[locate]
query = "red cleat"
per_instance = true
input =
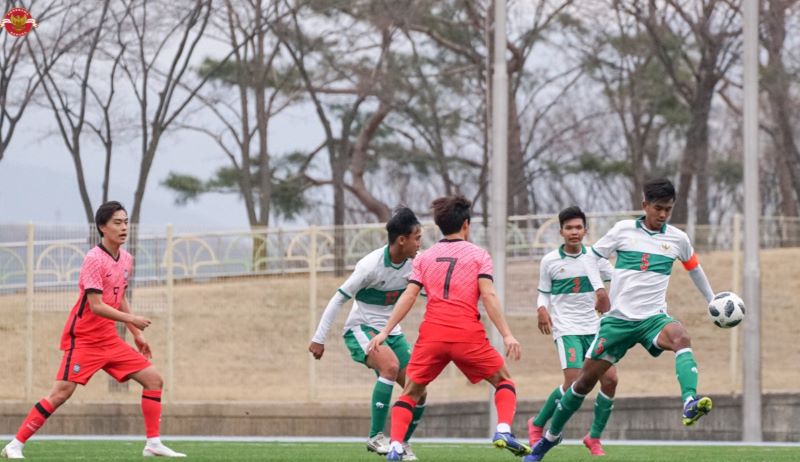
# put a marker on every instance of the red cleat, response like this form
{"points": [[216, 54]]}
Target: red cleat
{"points": [[594, 446], [534, 432]]}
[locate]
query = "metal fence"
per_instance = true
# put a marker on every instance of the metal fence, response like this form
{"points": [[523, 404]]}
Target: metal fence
{"points": [[199, 287]]}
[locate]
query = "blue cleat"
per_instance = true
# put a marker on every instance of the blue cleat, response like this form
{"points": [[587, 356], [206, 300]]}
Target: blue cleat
{"points": [[696, 408], [394, 455], [508, 441], [541, 448]]}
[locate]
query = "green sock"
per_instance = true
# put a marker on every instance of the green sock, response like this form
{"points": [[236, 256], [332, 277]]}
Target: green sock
{"points": [[686, 370], [567, 406], [418, 410], [602, 411], [381, 399], [549, 408]]}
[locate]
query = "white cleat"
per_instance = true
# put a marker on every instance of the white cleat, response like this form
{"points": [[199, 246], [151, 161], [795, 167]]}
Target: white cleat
{"points": [[378, 444], [11, 452], [408, 454], [159, 450]]}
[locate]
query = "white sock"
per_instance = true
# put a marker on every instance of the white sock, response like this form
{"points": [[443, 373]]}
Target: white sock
{"points": [[397, 446], [551, 437], [17, 443], [503, 428], [154, 441]]}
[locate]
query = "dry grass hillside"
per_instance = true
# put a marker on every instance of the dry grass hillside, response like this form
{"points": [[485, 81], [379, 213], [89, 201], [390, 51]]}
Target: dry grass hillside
{"points": [[246, 340]]}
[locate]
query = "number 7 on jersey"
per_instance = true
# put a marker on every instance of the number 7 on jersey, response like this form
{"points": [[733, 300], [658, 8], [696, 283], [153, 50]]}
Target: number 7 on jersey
{"points": [[451, 265]]}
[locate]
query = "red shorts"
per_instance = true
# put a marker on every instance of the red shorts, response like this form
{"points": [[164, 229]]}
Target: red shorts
{"points": [[119, 360], [477, 361]]}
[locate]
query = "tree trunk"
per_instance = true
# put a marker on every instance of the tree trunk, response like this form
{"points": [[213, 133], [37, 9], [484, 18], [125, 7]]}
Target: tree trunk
{"points": [[776, 84], [517, 181], [694, 163]]}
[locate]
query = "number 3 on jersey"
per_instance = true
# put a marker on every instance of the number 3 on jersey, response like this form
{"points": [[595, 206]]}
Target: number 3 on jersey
{"points": [[451, 261]]}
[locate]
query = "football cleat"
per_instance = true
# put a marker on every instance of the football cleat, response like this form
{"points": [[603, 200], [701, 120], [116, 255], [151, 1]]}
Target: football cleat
{"points": [[508, 441], [594, 445], [541, 448], [378, 444], [534, 432], [696, 408], [160, 450]]}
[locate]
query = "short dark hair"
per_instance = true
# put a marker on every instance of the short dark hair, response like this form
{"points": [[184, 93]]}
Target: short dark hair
{"points": [[570, 213], [402, 223], [449, 213], [105, 212], [658, 189]]}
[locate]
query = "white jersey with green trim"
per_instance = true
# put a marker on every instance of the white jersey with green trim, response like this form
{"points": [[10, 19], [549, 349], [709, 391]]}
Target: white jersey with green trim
{"points": [[643, 266], [571, 292], [374, 286]]}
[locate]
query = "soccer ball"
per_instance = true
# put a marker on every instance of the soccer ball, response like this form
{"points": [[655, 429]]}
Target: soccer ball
{"points": [[726, 309]]}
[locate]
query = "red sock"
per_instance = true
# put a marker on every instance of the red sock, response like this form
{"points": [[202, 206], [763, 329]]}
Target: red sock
{"points": [[402, 415], [35, 420], [505, 400], [151, 410]]}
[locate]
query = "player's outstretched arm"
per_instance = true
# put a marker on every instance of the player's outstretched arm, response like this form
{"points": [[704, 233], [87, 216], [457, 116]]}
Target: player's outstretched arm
{"points": [[701, 282], [400, 311], [317, 345], [492, 305]]}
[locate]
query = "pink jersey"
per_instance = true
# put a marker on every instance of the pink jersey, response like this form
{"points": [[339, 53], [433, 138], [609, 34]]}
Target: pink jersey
{"points": [[449, 273], [100, 273]]}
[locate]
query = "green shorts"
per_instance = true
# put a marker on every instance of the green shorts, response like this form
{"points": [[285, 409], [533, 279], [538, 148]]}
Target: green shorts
{"points": [[571, 350], [357, 338], [617, 336]]}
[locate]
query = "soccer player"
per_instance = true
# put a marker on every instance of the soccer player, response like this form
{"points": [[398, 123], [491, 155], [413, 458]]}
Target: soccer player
{"points": [[567, 310], [454, 274], [90, 341], [646, 249], [375, 285]]}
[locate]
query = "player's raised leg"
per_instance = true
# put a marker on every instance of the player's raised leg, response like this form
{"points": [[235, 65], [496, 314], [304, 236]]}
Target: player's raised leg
{"points": [[675, 337]]}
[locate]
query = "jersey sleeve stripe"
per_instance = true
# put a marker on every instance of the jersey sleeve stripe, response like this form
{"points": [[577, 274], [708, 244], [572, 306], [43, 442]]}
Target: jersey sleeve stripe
{"points": [[344, 293], [94, 291], [596, 253], [543, 291], [411, 281], [691, 263], [486, 276]]}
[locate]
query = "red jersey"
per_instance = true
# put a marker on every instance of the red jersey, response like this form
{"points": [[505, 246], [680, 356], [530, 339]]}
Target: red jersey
{"points": [[100, 273], [449, 273]]}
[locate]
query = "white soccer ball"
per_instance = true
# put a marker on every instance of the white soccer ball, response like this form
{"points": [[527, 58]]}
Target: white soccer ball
{"points": [[726, 309]]}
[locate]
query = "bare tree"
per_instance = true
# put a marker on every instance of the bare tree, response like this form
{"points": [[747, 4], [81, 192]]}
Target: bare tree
{"points": [[21, 70], [69, 105], [697, 42], [776, 81], [264, 83], [161, 41]]}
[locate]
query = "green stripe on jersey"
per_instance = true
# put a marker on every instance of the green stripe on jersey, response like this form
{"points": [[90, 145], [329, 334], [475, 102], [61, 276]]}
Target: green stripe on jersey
{"points": [[378, 297], [640, 261], [576, 285]]}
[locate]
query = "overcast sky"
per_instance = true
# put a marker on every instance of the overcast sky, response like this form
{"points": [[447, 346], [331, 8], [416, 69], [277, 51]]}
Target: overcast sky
{"points": [[37, 174]]}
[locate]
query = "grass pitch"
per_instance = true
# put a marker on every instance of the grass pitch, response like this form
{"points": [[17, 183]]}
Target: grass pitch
{"points": [[56, 450]]}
